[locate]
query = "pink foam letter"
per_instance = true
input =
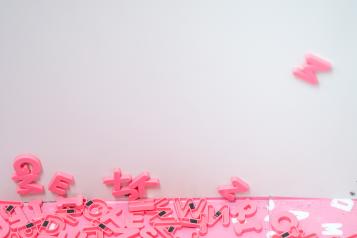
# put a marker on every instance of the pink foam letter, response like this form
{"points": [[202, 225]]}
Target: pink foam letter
{"points": [[27, 171], [60, 183]]}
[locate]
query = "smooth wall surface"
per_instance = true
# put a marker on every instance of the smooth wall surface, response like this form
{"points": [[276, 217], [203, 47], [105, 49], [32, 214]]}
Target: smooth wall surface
{"points": [[193, 91]]}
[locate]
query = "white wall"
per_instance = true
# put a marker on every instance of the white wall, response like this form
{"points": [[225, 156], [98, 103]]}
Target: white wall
{"points": [[193, 91]]}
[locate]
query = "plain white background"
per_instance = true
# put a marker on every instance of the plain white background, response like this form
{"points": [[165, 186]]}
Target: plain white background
{"points": [[192, 91]]}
